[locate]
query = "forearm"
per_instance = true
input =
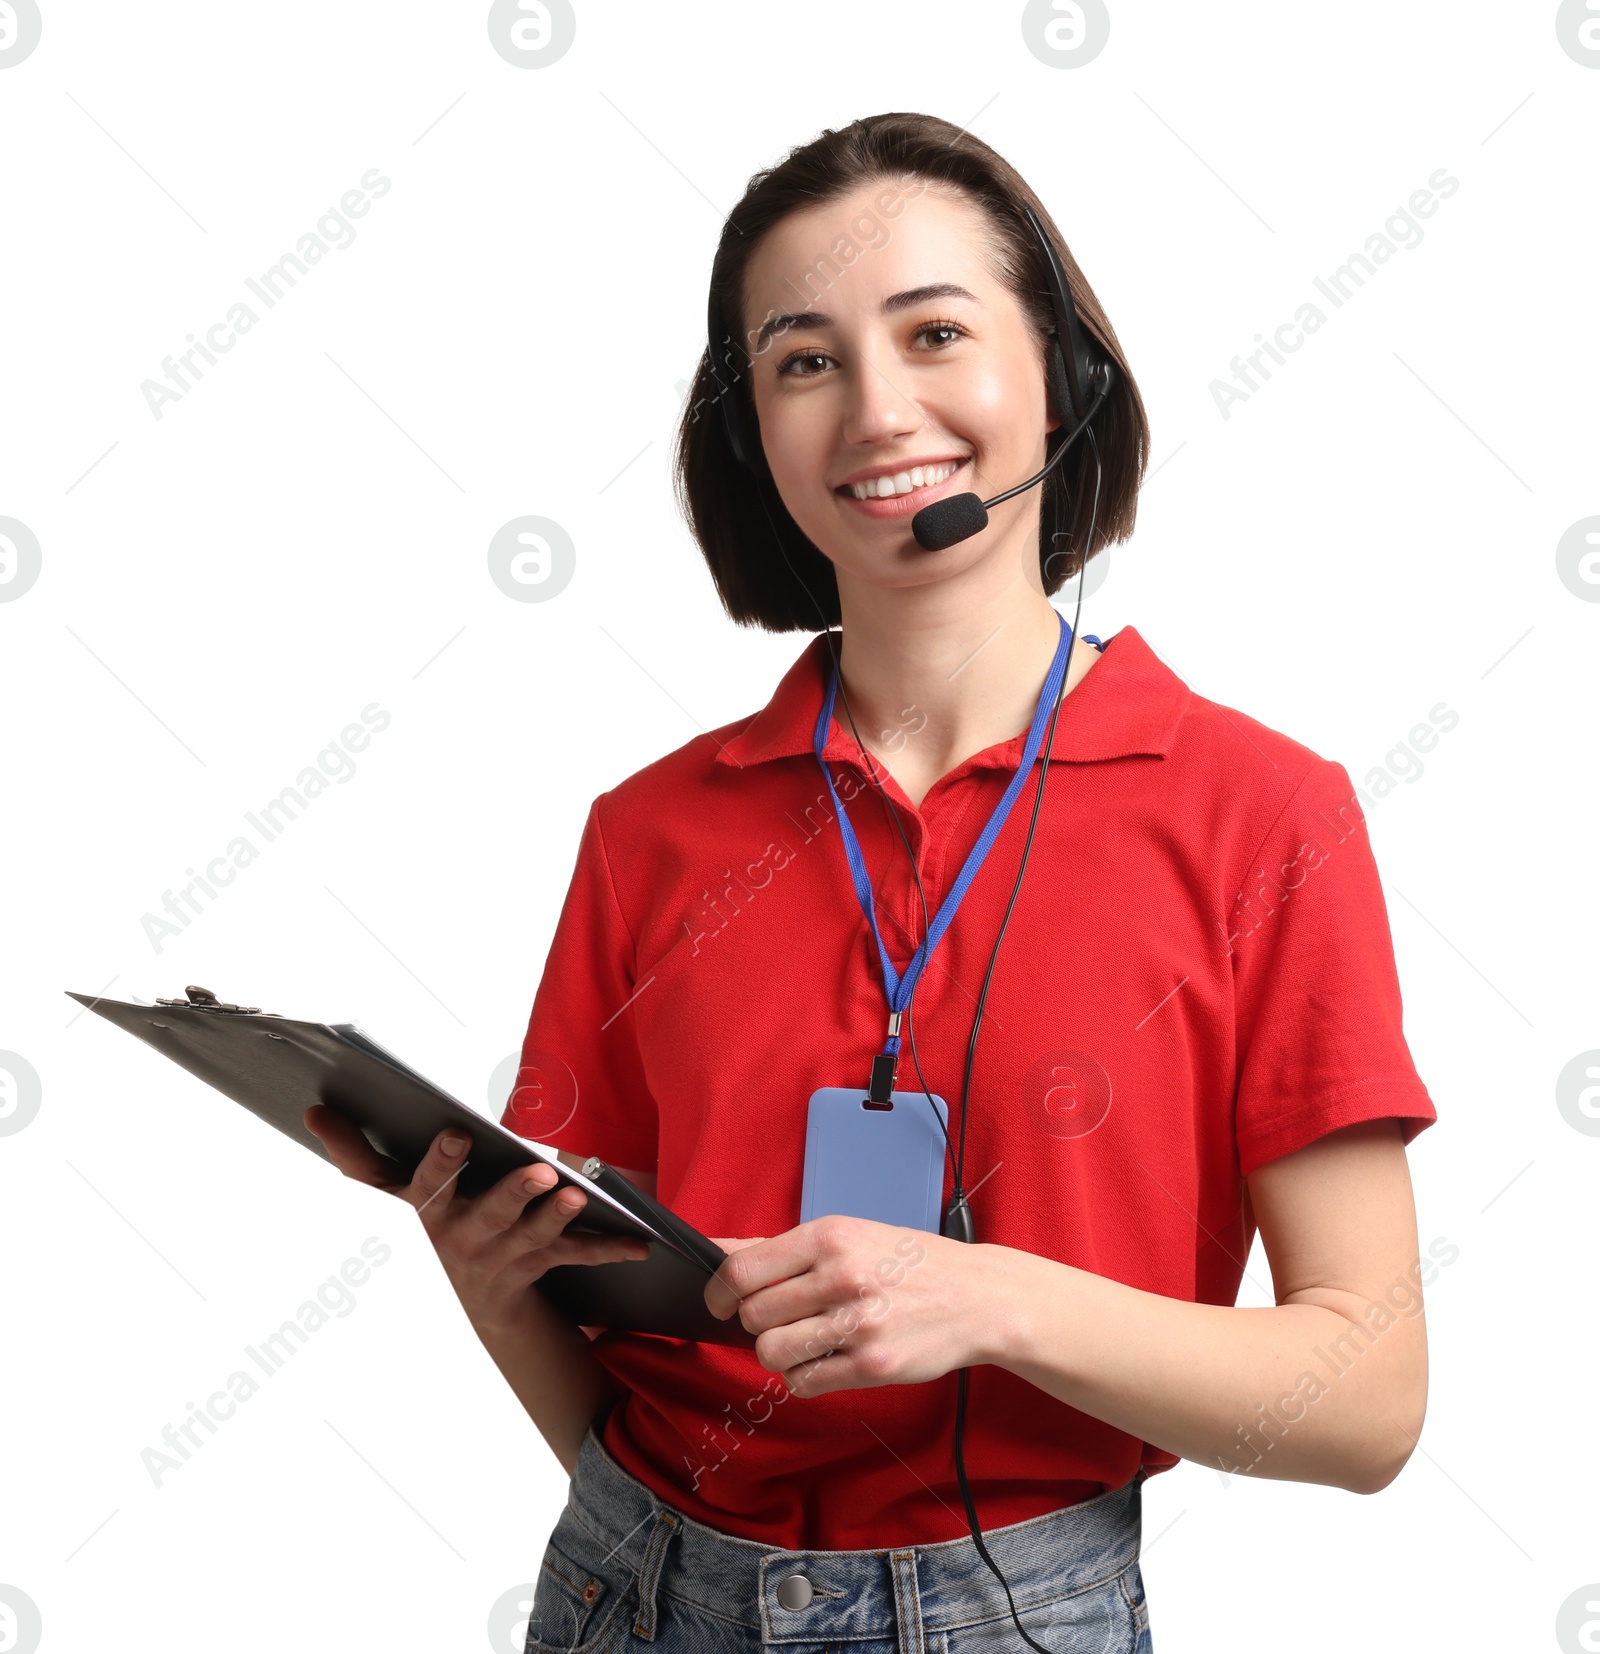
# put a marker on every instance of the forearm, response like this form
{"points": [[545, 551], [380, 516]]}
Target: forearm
{"points": [[1312, 1392], [552, 1371]]}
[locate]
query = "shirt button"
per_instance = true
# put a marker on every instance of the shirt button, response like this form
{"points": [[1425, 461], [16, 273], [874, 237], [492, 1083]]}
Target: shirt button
{"points": [[794, 1592]]}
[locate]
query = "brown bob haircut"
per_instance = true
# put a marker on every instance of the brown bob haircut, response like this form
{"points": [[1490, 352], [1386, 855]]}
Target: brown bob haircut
{"points": [[790, 586]]}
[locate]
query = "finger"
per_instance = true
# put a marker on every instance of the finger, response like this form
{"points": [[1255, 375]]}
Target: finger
{"points": [[348, 1148], [765, 1262], [834, 1371], [802, 1349], [526, 1251], [788, 1302], [433, 1184], [545, 1222], [513, 1239], [497, 1209], [721, 1299]]}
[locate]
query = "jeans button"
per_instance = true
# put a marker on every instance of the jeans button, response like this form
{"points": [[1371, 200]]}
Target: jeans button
{"points": [[794, 1591]]}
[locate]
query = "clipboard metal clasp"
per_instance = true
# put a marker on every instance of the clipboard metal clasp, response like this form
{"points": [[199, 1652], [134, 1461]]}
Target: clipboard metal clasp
{"points": [[204, 1000]]}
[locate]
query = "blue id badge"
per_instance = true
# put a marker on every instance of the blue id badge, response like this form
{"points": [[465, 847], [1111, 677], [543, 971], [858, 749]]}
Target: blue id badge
{"points": [[886, 1164]]}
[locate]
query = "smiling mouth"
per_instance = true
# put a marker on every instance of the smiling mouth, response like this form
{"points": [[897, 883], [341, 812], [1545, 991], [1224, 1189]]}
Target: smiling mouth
{"points": [[911, 489]]}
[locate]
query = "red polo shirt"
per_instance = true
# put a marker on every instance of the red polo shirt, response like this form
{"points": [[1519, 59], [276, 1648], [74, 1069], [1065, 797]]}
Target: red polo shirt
{"points": [[1198, 978]]}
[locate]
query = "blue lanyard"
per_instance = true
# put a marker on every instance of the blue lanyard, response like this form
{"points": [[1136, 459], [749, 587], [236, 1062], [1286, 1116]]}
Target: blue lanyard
{"points": [[900, 988]]}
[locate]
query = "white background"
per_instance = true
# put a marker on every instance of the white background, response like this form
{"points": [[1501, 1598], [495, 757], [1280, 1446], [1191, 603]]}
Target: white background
{"points": [[304, 533]]}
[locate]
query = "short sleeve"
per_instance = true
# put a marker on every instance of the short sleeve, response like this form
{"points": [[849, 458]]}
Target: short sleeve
{"points": [[1316, 995], [581, 1082]]}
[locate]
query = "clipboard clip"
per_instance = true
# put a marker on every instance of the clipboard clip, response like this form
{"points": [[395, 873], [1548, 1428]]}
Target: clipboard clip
{"points": [[203, 999]]}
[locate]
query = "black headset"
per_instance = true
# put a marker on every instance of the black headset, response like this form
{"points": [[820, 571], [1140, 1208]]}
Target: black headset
{"points": [[1074, 361]]}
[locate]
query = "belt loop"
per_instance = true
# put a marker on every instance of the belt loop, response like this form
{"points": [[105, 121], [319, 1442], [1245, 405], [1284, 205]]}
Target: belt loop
{"points": [[907, 1604], [655, 1551]]}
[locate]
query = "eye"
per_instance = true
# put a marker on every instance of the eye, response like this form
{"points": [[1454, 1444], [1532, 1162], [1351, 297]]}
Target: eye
{"points": [[789, 363], [813, 355], [942, 327]]}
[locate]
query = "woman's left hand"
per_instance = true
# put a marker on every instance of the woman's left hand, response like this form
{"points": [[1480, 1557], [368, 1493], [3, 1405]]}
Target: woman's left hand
{"points": [[843, 1303]]}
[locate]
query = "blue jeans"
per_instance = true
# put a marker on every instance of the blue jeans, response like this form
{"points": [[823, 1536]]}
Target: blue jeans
{"points": [[624, 1570]]}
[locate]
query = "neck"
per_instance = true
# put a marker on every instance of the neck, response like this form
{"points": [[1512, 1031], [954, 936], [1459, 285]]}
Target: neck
{"points": [[937, 673]]}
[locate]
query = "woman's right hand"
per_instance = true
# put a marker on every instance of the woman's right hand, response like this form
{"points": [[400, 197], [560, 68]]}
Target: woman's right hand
{"points": [[492, 1249]]}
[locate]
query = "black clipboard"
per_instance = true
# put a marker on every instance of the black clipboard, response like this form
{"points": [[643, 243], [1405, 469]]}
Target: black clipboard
{"points": [[277, 1067]]}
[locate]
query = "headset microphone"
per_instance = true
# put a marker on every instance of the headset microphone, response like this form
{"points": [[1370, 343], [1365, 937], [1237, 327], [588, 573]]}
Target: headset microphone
{"points": [[946, 521]]}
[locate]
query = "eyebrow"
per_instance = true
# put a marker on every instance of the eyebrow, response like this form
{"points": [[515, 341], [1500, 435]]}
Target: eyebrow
{"points": [[894, 302]]}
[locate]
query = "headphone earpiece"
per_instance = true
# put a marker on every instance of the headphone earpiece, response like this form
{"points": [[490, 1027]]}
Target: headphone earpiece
{"points": [[1060, 395], [1093, 372], [745, 443], [1076, 361]]}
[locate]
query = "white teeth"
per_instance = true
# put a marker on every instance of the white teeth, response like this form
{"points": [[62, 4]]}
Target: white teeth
{"points": [[902, 482]]}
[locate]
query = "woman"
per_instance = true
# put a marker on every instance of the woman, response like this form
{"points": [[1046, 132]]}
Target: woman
{"points": [[1192, 1030]]}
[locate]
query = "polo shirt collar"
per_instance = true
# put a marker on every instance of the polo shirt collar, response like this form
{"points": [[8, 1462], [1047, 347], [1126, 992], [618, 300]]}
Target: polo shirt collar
{"points": [[1130, 703]]}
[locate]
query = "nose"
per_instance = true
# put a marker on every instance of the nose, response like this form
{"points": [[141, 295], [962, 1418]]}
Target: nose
{"points": [[879, 410]]}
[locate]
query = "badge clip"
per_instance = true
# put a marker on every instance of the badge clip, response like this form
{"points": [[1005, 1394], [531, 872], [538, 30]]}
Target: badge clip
{"points": [[881, 1087]]}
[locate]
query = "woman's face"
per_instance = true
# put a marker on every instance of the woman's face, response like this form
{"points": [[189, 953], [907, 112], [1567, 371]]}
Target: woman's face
{"points": [[860, 374]]}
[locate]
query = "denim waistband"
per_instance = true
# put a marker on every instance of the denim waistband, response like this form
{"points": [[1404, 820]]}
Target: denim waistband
{"points": [[919, 1589]]}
